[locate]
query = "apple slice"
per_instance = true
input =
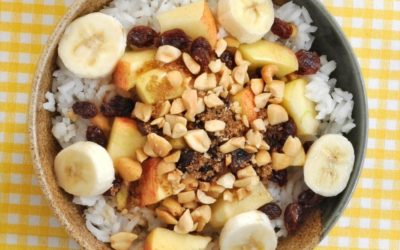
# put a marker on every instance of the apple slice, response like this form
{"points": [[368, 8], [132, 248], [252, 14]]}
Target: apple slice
{"points": [[222, 210], [299, 159], [164, 239], [152, 86], [195, 19], [125, 139], [152, 187], [264, 52], [245, 98], [301, 109], [128, 67]]}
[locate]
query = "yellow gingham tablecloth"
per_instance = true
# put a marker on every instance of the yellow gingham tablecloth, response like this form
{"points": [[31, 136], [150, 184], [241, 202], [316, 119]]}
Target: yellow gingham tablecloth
{"points": [[372, 219]]}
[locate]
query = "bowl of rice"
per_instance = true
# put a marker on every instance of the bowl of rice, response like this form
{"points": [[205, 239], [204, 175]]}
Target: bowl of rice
{"points": [[198, 124]]}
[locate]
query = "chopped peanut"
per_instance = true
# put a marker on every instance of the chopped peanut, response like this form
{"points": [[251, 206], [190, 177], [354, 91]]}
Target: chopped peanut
{"points": [[172, 206], [198, 140], [156, 146], [167, 54], [191, 64], [205, 199], [292, 146], [173, 158], [122, 240], [142, 111], [220, 47], [166, 217], [214, 125], [186, 197], [276, 114], [262, 158], [185, 223]]}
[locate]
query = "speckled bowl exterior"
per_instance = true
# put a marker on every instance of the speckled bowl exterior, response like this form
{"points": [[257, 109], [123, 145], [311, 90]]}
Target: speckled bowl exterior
{"points": [[329, 40]]}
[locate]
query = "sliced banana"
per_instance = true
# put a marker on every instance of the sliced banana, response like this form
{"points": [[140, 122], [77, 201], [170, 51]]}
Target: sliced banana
{"points": [[84, 169], [247, 20], [250, 230], [328, 165], [92, 45]]}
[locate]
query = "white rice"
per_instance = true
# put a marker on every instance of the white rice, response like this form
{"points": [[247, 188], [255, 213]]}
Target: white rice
{"points": [[334, 107]]}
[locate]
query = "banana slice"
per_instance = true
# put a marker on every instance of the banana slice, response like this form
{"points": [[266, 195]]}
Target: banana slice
{"points": [[329, 163], [247, 20], [84, 169], [92, 45], [250, 230]]}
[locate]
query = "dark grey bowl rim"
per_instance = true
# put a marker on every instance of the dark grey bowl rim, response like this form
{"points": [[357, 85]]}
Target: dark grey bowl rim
{"points": [[339, 209]]}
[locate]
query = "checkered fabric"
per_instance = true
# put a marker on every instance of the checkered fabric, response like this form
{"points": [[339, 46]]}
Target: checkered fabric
{"points": [[372, 219]]}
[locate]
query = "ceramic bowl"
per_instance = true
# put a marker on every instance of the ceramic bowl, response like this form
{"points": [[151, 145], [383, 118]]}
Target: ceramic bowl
{"points": [[330, 40]]}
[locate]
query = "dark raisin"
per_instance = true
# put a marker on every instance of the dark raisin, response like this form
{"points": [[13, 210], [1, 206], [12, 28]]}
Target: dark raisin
{"points": [[86, 110], [272, 210], [293, 217], [309, 62], [206, 168], [282, 29], [307, 145], [95, 134], [117, 183], [118, 106], [276, 135], [309, 199], [239, 158], [202, 57], [185, 159], [279, 177], [228, 57], [176, 38], [145, 128], [202, 43], [141, 37]]}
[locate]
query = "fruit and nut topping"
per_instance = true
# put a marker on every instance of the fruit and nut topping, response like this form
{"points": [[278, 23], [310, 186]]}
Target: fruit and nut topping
{"points": [[199, 125]]}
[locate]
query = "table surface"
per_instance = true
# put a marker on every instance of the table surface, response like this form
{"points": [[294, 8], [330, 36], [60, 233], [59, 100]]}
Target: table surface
{"points": [[372, 218]]}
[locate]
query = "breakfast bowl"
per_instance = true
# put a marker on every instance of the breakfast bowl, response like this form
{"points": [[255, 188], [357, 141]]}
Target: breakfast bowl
{"points": [[329, 41]]}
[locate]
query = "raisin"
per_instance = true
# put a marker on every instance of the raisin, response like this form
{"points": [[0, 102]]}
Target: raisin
{"points": [[272, 210], [202, 57], [279, 177], [309, 199], [228, 57], [86, 110], [307, 145], [309, 62], [141, 37], [145, 128], [282, 29], [202, 43], [176, 38], [276, 135], [118, 106], [185, 159], [239, 158], [293, 217], [95, 134]]}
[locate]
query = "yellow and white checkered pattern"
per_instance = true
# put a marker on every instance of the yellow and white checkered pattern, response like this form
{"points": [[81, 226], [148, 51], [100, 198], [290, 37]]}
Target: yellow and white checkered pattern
{"points": [[372, 219]]}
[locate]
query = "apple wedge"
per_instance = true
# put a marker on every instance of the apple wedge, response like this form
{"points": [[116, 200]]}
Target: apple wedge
{"points": [[195, 19], [245, 98], [128, 67], [301, 109], [263, 52], [222, 210], [299, 159], [152, 187], [164, 239], [152, 86], [125, 139]]}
